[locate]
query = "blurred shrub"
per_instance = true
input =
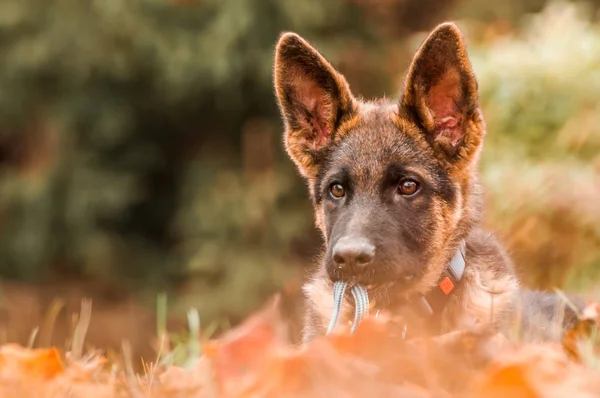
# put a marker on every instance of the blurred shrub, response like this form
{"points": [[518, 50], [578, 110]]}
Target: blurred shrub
{"points": [[540, 89], [240, 238], [103, 104]]}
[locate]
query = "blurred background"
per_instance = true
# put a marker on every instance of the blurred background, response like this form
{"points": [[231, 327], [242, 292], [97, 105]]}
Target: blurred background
{"points": [[141, 149]]}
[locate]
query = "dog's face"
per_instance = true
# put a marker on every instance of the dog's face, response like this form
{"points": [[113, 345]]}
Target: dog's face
{"points": [[393, 183]]}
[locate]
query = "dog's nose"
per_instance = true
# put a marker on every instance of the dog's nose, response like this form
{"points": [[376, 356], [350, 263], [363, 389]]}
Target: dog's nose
{"points": [[352, 254]]}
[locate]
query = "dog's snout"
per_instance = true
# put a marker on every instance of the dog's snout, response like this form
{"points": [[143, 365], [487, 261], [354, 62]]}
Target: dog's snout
{"points": [[352, 254]]}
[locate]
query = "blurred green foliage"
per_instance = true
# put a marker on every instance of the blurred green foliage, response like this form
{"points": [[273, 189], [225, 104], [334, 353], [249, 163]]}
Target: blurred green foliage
{"points": [[140, 143], [116, 119], [540, 89]]}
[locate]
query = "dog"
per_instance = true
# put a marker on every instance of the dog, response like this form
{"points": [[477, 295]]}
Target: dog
{"points": [[396, 193]]}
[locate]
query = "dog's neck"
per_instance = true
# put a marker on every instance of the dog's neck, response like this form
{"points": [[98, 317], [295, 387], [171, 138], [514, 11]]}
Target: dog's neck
{"points": [[451, 277], [431, 305]]}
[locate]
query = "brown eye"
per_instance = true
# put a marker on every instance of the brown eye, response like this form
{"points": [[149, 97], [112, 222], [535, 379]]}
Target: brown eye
{"points": [[337, 191], [408, 187]]}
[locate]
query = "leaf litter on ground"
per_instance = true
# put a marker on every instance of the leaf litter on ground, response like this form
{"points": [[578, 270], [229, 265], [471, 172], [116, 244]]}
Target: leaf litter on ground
{"points": [[255, 360]]}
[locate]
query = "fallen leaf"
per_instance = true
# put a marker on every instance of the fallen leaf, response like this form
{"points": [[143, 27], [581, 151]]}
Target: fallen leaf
{"points": [[18, 362], [536, 370]]}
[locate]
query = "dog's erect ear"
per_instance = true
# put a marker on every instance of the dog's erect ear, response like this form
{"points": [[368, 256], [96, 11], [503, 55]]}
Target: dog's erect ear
{"points": [[440, 92], [313, 98]]}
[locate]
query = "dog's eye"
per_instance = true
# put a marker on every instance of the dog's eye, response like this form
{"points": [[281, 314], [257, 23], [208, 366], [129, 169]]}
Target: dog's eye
{"points": [[408, 187], [337, 191]]}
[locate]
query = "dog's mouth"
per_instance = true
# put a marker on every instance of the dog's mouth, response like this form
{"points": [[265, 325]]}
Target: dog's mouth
{"points": [[387, 290], [365, 299]]}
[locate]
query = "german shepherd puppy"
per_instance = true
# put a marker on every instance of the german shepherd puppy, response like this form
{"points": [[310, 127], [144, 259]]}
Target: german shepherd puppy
{"points": [[395, 187]]}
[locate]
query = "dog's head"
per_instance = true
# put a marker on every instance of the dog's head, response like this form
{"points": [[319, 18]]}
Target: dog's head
{"points": [[394, 184]]}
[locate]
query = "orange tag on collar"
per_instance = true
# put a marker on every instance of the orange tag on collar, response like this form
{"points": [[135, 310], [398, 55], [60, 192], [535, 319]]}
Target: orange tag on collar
{"points": [[446, 285]]}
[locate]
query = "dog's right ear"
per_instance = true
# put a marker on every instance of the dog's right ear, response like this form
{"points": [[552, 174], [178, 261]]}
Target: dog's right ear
{"points": [[313, 98]]}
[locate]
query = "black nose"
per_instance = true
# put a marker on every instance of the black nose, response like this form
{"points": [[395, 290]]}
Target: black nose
{"points": [[352, 254]]}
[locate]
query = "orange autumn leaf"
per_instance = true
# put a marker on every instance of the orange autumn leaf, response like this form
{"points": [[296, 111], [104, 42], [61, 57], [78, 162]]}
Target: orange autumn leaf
{"points": [[254, 361], [371, 330], [508, 381], [243, 352], [536, 371], [16, 361]]}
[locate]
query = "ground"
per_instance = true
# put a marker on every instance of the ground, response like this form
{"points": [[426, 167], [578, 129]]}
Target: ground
{"points": [[254, 360]]}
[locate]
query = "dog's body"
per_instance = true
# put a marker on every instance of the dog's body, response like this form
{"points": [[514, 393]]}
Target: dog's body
{"points": [[395, 186]]}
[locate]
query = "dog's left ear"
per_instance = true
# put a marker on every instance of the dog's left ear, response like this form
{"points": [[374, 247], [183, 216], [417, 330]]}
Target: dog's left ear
{"points": [[440, 94]]}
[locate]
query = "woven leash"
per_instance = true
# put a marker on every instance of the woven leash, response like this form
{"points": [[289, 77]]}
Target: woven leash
{"points": [[361, 304]]}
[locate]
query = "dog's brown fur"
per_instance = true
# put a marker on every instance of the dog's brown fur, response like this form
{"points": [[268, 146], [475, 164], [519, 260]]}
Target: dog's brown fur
{"points": [[434, 135]]}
